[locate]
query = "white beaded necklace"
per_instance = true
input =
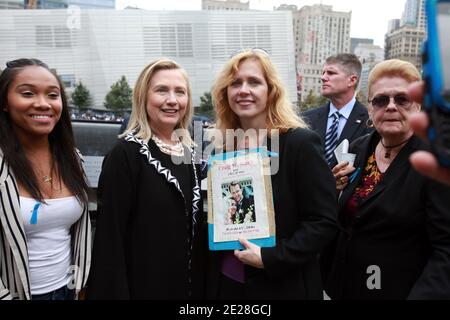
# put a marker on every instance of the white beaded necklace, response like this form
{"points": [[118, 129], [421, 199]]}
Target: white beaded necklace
{"points": [[176, 149]]}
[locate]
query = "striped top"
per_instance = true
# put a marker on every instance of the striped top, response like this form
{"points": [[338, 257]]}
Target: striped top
{"points": [[14, 267]]}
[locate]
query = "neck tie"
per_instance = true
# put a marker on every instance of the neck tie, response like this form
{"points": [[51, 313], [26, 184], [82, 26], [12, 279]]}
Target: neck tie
{"points": [[331, 138]]}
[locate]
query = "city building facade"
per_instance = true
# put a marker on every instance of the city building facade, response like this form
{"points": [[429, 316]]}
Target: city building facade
{"points": [[414, 14], [11, 4], [354, 42], [319, 32], [57, 4], [369, 55], [230, 5], [405, 42], [93, 4], [97, 47]]}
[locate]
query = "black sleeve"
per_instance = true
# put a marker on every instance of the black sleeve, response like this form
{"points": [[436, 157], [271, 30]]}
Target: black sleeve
{"points": [[116, 190], [434, 282], [316, 190]]}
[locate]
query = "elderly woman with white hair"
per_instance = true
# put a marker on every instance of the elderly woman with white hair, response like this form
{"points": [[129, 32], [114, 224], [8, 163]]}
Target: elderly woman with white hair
{"points": [[394, 241]]}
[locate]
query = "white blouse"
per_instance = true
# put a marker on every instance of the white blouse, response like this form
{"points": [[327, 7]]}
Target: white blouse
{"points": [[47, 228]]}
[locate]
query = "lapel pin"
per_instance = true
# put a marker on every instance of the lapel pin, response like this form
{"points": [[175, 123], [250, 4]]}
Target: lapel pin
{"points": [[358, 121]]}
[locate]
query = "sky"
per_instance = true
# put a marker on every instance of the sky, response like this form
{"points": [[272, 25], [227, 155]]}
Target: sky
{"points": [[369, 18]]}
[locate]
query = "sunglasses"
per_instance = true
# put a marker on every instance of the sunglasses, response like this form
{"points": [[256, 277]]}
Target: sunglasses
{"points": [[400, 100]]}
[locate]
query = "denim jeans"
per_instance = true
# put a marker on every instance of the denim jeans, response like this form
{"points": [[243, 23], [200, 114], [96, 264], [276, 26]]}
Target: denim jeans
{"points": [[62, 293]]}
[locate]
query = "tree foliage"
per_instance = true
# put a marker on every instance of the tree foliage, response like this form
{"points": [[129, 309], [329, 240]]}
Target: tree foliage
{"points": [[312, 101], [81, 97], [206, 105], [119, 97], [361, 97]]}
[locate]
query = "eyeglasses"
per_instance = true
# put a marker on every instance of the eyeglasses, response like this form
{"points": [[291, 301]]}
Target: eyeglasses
{"points": [[253, 50], [400, 100]]}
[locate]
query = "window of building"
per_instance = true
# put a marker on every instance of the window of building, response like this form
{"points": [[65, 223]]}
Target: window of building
{"points": [[68, 80], [168, 41], [62, 37], [184, 35], [233, 36], [248, 36], [44, 36], [264, 37]]}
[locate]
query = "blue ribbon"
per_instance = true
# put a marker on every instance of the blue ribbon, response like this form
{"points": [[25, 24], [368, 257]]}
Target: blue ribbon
{"points": [[355, 175], [34, 216]]}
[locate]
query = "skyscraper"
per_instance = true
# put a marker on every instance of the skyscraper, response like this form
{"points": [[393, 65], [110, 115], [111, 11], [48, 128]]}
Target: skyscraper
{"points": [[405, 42], [410, 13], [354, 42], [414, 14], [319, 32]]}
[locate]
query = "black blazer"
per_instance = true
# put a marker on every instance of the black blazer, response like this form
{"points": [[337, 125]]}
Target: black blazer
{"points": [[244, 207], [354, 128], [403, 228], [305, 216], [144, 245]]}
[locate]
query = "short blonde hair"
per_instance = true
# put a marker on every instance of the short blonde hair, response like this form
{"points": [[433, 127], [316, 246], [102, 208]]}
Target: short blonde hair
{"points": [[280, 115], [139, 123], [393, 68]]}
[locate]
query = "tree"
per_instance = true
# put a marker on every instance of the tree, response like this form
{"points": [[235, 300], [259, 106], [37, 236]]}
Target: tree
{"points": [[206, 105], [312, 101], [119, 97], [361, 97], [81, 97]]}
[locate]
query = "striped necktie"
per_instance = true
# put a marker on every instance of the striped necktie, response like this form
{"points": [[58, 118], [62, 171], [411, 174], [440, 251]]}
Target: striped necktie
{"points": [[331, 138]]}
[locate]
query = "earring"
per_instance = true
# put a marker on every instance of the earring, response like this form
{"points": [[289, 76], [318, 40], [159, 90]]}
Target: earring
{"points": [[369, 123]]}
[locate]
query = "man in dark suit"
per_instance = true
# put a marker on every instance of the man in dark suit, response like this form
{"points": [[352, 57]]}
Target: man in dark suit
{"points": [[340, 78], [245, 206]]}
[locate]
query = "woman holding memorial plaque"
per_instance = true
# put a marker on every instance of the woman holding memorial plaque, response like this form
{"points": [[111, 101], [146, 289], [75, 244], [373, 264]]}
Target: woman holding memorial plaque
{"points": [[249, 95]]}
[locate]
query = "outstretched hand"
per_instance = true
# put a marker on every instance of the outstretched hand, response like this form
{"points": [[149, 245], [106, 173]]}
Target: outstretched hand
{"points": [[423, 161]]}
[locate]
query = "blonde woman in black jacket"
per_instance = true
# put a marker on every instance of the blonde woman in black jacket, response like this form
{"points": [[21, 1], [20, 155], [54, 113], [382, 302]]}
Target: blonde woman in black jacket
{"points": [[248, 94], [149, 241]]}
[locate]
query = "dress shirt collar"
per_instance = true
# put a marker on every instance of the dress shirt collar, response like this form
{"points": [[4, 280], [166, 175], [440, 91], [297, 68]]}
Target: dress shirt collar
{"points": [[345, 110]]}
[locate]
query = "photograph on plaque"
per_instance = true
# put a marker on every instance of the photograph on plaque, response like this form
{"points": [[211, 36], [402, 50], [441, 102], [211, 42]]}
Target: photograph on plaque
{"points": [[240, 203]]}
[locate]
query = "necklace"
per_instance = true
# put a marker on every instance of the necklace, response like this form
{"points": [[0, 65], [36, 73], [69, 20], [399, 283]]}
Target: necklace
{"points": [[47, 178], [176, 149], [388, 149], [44, 177]]}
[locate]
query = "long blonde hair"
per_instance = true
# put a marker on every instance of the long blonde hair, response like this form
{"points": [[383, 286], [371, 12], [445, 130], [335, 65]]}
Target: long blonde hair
{"points": [[280, 112], [139, 123]]}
